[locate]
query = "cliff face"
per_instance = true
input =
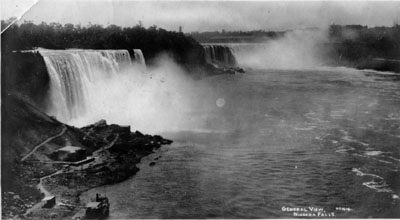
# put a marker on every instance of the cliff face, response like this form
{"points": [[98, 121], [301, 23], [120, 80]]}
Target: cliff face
{"points": [[25, 74], [29, 137], [23, 126]]}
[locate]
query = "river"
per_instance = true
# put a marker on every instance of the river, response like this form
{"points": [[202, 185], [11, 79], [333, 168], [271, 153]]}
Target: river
{"points": [[273, 143]]}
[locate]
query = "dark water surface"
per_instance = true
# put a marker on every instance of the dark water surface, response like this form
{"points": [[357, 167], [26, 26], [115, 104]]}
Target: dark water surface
{"points": [[313, 138]]}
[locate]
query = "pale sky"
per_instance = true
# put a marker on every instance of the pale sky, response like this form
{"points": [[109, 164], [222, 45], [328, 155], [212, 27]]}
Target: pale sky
{"points": [[208, 15]]}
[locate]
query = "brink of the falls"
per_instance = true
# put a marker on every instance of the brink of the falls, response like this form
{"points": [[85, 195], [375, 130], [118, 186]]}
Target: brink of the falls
{"points": [[73, 71]]}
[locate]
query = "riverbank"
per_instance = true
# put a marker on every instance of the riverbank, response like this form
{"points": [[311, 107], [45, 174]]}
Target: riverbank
{"points": [[114, 162], [380, 64], [30, 172], [377, 64]]}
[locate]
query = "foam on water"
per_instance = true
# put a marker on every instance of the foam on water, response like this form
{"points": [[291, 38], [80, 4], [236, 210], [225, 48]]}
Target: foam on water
{"points": [[373, 153], [344, 149], [314, 117], [380, 186], [393, 158], [378, 183], [305, 128], [371, 158], [348, 138], [338, 114], [360, 173], [393, 116]]}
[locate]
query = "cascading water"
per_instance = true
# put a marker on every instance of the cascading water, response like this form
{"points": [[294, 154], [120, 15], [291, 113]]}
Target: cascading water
{"points": [[251, 54], [139, 58], [72, 72], [299, 49], [220, 55]]}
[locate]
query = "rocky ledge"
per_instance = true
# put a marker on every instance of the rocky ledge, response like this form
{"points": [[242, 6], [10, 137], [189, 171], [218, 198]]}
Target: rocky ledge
{"points": [[112, 152], [119, 150]]}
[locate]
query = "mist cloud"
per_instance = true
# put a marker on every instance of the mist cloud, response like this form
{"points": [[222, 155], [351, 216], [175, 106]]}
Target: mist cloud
{"points": [[295, 50], [155, 100]]}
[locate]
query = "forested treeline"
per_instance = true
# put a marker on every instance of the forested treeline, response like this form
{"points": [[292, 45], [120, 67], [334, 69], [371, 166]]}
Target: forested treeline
{"points": [[352, 45], [365, 47], [356, 42], [255, 36], [151, 41]]}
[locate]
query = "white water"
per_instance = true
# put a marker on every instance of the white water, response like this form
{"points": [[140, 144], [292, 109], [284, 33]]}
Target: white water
{"points": [[89, 85], [219, 54], [299, 49], [139, 58], [73, 72]]}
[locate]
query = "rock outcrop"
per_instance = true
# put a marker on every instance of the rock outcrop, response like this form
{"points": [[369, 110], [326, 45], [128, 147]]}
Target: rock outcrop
{"points": [[113, 149]]}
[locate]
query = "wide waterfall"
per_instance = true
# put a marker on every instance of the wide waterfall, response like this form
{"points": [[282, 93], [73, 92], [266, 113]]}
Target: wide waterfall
{"points": [[293, 51], [219, 55], [73, 71]]}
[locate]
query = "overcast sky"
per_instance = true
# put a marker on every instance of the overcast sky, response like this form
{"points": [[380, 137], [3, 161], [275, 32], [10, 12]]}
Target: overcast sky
{"points": [[207, 15]]}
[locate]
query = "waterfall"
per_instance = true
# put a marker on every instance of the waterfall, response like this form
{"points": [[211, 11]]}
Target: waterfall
{"points": [[219, 55], [255, 55], [138, 57], [72, 72]]}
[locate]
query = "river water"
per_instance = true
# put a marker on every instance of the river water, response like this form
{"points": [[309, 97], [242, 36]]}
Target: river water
{"points": [[272, 141]]}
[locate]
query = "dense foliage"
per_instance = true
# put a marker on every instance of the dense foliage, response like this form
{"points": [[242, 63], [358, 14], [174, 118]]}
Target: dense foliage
{"points": [[235, 36], [353, 45], [355, 42], [151, 41]]}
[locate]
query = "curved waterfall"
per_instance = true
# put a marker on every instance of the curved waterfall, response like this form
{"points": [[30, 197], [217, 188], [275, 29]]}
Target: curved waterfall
{"points": [[219, 55], [72, 72], [138, 57]]}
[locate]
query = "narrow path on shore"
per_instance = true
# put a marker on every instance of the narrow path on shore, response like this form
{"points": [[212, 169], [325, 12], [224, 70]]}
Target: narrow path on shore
{"points": [[42, 190], [40, 185], [45, 142], [108, 146]]}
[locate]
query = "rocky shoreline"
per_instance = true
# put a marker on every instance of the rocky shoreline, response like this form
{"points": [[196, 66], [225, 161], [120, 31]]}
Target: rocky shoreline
{"points": [[116, 151], [28, 159]]}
